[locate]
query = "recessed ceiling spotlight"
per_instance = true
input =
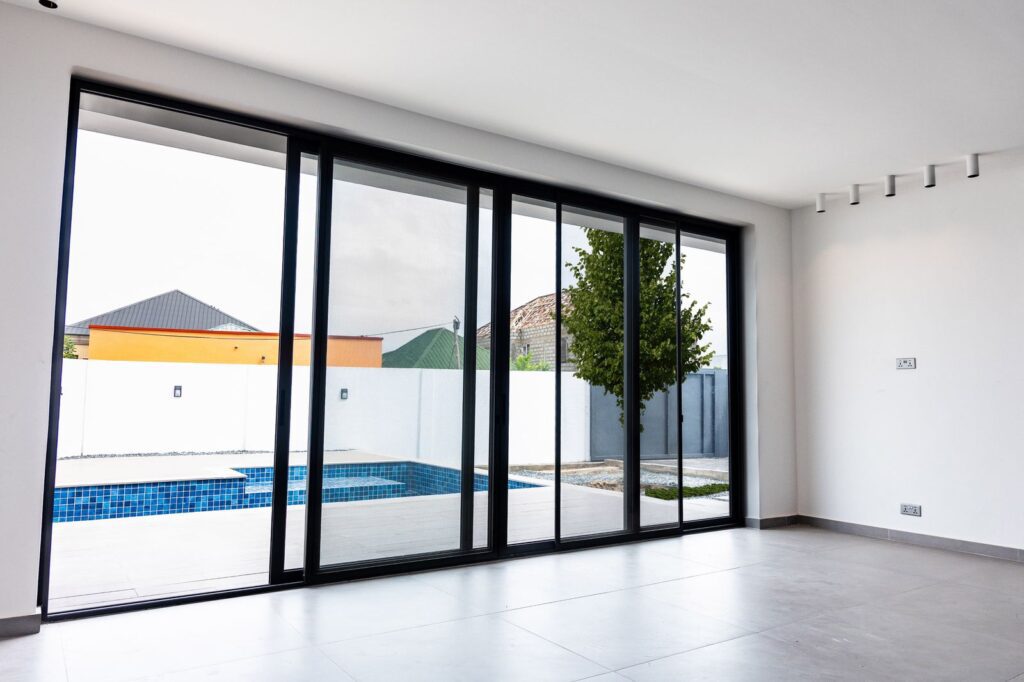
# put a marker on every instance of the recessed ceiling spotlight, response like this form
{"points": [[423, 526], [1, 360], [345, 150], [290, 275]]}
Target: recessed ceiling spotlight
{"points": [[48, 4]]}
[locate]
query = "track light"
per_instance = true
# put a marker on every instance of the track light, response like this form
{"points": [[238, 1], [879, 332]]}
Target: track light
{"points": [[820, 204], [890, 185], [854, 195], [972, 165], [929, 176]]}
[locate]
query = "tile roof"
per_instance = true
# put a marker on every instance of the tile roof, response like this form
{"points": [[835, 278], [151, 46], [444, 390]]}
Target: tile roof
{"points": [[535, 313], [170, 310], [433, 350]]}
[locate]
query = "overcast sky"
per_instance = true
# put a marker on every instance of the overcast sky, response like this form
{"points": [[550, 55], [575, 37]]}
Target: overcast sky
{"points": [[149, 219]]}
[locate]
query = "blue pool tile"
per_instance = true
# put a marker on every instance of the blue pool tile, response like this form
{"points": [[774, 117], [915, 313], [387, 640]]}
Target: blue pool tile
{"points": [[341, 483]]}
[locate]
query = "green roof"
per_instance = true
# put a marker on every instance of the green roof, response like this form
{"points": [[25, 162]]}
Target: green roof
{"points": [[433, 350]]}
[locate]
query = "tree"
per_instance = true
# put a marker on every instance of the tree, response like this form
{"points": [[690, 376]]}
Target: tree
{"points": [[525, 363], [594, 318], [70, 353]]}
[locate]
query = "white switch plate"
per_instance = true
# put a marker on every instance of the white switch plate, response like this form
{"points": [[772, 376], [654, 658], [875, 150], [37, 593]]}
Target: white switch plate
{"points": [[906, 363]]}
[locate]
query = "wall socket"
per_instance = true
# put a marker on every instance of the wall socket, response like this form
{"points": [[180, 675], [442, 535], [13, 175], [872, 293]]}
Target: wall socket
{"points": [[910, 509], [906, 363]]}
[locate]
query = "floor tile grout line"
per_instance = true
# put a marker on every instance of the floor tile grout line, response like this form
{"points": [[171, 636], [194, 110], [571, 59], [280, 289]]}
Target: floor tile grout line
{"points": [[498, 612], [912, 548], [307, 643], [618, 671], [603, 667], [63, 651], [226, 661], [339, 666], [746, 632]]}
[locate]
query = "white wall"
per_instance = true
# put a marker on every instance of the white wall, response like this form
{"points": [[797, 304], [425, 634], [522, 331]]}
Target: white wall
{"points": [[118, 408], [39, 53], [934, 274]]}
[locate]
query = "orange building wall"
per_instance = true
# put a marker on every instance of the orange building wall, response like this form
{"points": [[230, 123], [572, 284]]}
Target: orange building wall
{"points": [[140, 344]]}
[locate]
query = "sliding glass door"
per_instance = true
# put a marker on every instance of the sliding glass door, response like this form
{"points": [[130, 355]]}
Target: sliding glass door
{"points": [[282, 357], [617, 387], [400, 361], [169, 358]]}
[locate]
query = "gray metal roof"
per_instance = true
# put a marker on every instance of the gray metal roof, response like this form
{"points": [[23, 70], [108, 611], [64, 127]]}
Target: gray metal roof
{"points": [[172, 310]]}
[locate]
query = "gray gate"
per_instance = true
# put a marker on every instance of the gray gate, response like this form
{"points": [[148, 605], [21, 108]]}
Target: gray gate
{"points": [[705, 427]]}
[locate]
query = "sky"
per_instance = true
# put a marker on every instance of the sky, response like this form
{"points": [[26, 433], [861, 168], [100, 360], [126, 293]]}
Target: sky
{"points": [[148, 219]]}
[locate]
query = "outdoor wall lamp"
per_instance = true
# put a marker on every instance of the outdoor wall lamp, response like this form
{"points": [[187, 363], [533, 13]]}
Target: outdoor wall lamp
{"points": [[344, 394], [177, 391]]}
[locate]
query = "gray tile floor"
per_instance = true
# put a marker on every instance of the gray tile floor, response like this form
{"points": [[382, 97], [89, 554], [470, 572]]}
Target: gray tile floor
{"points": [[789, 604]]}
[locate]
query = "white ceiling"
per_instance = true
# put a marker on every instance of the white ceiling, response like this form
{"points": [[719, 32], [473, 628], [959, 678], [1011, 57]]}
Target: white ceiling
{"points": [[774, 100]]}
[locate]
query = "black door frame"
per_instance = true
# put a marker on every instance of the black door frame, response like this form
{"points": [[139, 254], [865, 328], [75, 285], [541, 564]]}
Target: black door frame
{"points": [[327, 148]]}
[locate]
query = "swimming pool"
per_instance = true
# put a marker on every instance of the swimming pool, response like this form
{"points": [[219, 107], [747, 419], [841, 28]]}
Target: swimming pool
{"points": [[341, 483]]}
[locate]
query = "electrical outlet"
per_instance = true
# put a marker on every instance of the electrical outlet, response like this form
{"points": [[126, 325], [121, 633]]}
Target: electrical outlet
{"points": [[910, 509], [906, 363]]}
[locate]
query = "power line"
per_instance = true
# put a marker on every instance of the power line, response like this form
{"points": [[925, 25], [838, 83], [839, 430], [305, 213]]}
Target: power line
{"points": [[413, 329]]}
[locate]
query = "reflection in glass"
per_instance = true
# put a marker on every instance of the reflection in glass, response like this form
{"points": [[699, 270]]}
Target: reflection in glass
{"points": [[706, 407], [395, 365], [169, 377], [659, 424], [592, 440], [531, 363]]}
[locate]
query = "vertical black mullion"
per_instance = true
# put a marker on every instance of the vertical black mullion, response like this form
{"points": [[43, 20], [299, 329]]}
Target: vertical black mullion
{"points": [[57, 355], [469, 367], [734, 344], [631, 369], [558, 372], [285, 354], [318, 363], [679, 373], [501, 265]]}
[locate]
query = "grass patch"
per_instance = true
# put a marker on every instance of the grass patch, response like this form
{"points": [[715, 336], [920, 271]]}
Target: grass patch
{"points": [[672, 493]]}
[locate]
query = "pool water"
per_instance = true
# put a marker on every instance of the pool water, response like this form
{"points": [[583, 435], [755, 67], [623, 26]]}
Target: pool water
{"points": [[341, 483]]}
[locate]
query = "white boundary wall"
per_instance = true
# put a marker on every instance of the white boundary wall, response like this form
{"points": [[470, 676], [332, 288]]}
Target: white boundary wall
{"points": [[129, 407]]}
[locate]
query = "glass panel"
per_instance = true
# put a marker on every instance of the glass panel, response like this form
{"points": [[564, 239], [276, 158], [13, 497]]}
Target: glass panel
{"points": [[705, 378], [532, 339], [166, 436], [483, 373], [393, 424], [659, 422], [593, 441], [295, 534]]}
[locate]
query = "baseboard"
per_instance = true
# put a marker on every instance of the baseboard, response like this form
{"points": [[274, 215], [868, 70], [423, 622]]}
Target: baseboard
{"points": [[773, 522], [20, 625], [919, 539]]}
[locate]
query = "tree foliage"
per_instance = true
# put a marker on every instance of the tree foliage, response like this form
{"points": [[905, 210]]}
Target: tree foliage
{"points": [[526, 363], [594, 318], [70, 353]]}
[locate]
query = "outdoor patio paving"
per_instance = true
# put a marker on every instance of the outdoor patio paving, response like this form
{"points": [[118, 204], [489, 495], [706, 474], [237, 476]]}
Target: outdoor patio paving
{"points": [[111, 561]]}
